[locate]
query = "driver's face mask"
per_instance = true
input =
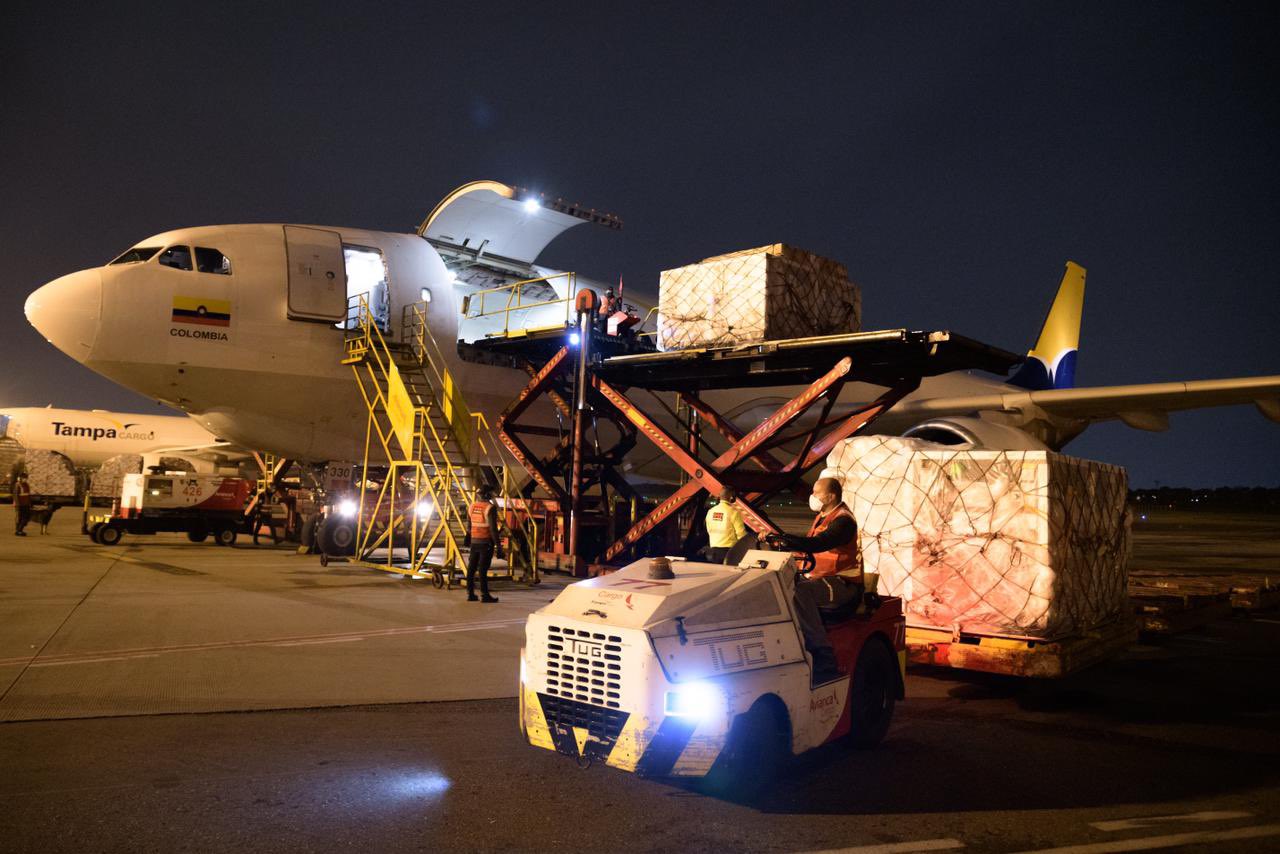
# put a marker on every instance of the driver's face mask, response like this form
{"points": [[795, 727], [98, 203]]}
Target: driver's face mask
{"points": [[815, 503]]}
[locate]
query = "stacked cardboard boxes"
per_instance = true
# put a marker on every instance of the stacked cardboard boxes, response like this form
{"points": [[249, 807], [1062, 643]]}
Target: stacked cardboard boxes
{"points": [[1031, 544], [761, 294], [50, 474], [107, 480]]}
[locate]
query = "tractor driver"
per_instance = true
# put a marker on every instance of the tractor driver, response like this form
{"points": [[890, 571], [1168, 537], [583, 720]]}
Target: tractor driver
{"points": [[836, 577]]}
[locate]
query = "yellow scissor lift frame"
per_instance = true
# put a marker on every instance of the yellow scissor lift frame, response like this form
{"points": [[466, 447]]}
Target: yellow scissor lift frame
{"points": [[429, 457]]}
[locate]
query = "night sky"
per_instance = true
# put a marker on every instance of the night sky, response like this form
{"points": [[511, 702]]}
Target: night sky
{"points": [[953, 155]]}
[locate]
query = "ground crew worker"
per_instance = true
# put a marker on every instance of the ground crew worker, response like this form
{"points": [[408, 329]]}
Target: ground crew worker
{"points": [[608, 306], [836, 578], [724, 526], [484, 533], [21, 505]]}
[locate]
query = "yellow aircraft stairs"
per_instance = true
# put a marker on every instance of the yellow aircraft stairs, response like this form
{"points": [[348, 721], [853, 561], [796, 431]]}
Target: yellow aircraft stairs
{"points": [[435, 452]]}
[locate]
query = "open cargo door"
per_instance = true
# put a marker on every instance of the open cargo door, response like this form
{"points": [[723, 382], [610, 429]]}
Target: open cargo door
{"points": [[317, 274]]}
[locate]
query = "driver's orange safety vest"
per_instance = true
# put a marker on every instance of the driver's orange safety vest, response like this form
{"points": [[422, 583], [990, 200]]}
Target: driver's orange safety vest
{"points": [[480, 521], [844, 560]]}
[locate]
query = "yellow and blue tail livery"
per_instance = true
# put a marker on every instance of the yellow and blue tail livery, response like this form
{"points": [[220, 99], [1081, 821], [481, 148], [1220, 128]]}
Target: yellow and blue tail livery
{"points": [[1051, 363]]}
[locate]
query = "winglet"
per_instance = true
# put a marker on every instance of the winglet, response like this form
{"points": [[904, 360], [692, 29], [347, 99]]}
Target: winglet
{"points": [[1051, 363]]}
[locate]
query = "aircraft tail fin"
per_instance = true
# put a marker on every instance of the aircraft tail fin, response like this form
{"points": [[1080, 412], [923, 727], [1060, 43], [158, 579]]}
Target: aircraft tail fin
{"points": [[1051, 363]]}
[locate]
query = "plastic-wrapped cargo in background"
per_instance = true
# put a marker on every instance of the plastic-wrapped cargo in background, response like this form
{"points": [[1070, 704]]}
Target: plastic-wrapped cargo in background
{"points": [[50, 474], [754, 295], [1030, 544], [108, 479]]}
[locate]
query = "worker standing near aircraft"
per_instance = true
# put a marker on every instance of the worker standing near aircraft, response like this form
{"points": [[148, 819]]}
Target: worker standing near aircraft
{"points": [[724, 526], [484, 534], [608, 305], [836, 578], [21, 504]]}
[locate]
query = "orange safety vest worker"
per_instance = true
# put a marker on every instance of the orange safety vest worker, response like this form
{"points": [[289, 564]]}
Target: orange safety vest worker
{"points": [[480, 520], [845, 559]]}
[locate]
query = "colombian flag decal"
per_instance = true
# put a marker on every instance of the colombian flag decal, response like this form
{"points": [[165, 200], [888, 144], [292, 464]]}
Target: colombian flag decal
{"points": [[201, 311]]}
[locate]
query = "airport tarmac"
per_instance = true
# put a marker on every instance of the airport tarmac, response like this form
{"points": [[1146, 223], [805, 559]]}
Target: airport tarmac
{"points": [[1171, 746], [161, 625]]}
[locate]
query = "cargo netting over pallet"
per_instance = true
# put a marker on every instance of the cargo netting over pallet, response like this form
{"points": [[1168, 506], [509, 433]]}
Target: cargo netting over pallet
{"points": [[1019, 543]]}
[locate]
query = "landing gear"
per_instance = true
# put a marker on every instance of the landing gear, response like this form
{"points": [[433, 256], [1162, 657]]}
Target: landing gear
{"points": [[337, 537]]}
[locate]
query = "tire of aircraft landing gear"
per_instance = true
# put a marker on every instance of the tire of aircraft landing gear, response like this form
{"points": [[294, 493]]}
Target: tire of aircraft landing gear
{"points": [[198, 536], [755, 753], [225, 536], [872, 693], [336, 538], [109, 535]]}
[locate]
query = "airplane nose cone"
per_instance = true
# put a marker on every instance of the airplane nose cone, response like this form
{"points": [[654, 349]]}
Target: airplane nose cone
{"points": [[67, 312]]}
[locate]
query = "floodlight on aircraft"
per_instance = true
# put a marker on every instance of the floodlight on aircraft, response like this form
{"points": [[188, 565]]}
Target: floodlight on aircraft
{"points": [[531, 205]]}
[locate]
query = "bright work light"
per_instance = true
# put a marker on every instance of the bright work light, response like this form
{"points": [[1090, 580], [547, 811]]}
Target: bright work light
{"points": [[423, 509], [699, 700], [347, 508], [574, 339], [530, 205]]}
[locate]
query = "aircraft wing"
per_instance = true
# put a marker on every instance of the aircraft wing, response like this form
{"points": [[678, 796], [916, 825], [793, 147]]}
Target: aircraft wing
{"points": [[1145, 407]]}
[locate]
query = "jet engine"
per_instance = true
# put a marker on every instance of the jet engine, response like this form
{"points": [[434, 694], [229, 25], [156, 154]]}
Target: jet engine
{"points": [[975, 433]]}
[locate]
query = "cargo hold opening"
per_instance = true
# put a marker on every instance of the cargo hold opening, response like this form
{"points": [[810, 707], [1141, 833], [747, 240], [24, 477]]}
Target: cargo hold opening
{"points": [[367, 274]]}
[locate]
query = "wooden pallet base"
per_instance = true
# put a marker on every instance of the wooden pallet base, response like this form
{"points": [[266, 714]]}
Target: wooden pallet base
{"points": [[1165, 603], [1050, 659]]}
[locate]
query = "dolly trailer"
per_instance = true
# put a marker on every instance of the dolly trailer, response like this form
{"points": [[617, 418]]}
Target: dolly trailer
{"points": [[684, 669]]}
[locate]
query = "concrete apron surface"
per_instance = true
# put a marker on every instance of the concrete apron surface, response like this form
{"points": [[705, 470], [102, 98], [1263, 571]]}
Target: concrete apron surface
{"points": [[159, 624]]}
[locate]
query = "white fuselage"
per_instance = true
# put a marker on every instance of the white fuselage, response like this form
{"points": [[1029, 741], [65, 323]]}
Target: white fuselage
{"points": [[261, 379], [91, 437], [235, 343]]}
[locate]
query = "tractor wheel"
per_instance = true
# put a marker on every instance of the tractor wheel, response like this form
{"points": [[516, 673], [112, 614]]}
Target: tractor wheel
{"points": [[109, 535], [198, 536], [873, 691], [225, 536], [754, 754], [437, 578], [94, 530]]}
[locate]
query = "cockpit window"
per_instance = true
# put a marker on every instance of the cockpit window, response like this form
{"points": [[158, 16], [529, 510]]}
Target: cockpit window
{"points": [[178, 257], [137, 255], [212, 261]]}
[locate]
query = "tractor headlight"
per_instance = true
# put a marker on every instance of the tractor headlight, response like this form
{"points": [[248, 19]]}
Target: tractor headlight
{"points": [[700, 700]]}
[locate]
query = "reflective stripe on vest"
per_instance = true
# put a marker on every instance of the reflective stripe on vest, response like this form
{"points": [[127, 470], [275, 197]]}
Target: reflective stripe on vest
{"points": [[844, 559], [480, 521]]}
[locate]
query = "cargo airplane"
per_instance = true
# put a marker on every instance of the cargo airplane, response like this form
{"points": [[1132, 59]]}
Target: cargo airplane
{"points": [[91, 437], [241, 326]]}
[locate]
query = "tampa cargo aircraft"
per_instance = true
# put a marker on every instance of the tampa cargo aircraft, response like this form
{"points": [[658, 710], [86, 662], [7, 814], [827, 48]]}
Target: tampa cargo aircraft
{"points": [[240, 326], [90, 438]]}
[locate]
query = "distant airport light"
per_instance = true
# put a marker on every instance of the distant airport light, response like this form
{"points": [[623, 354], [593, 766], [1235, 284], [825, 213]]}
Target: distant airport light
{"points": [[530, 205]]}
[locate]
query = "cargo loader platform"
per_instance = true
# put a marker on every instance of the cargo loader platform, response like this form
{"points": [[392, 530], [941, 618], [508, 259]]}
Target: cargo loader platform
{"points": [[591, 377]]}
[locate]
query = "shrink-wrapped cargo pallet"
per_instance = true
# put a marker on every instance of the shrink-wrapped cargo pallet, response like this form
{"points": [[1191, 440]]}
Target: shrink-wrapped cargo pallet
{"points": [[107, 480], [1031, 544], [755, 295], [50, 474]]}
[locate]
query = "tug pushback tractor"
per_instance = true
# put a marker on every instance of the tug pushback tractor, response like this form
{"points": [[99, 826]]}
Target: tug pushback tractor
{"points": [[701, 670]]}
